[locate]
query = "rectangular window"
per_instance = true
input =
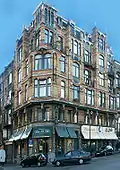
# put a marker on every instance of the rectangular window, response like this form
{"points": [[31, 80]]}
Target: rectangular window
{"points": [[10, 94], [60, 41], [10, 78], [19, 54], [118, 101], [39, 113], [112, 102], [87, 56], [75, 47], [62, 89], [47, 114], [102, 79], [101, 61], [19, 97], [87, 76], [26, 92], [26, 68], [36, 88], [69, 115], [42, 88], [101, 99], [101, 45], [46, 36], [51, 38], [62, 63], [19, 75], [9, 117], [89, 97], [76, 70], [76, 92]]}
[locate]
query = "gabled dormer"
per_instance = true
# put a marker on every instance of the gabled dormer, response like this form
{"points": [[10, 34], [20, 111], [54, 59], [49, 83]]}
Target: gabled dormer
{"points": [[46, 14]]}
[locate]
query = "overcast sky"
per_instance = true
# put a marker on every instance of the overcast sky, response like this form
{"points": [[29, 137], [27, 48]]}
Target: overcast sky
{"points": [[15, 14]]}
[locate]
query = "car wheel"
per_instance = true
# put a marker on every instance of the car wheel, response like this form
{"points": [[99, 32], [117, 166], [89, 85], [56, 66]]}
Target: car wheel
{"points": [[23, 165], [81, 161], [58, 163], [38, 164]]}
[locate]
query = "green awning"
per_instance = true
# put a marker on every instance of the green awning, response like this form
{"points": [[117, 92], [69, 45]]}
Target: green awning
{"points": [[71, 132], [62, 132], [41, 131]]}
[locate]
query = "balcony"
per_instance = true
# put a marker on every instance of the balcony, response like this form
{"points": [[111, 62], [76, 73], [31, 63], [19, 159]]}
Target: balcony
{"points": [[110, 72], [8, 103], [89, 83], [89, 64], [118, 86], [75, 57]]}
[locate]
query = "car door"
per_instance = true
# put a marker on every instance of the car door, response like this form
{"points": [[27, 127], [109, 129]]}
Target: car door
{"points": [[33, 160], [75, 157], [67, 158]]}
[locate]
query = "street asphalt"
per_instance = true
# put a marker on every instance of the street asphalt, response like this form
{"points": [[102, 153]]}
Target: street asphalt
{"points": [[100, 163]]}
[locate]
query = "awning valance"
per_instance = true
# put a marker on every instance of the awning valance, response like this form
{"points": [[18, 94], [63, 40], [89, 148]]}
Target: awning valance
{"points": [[71, 132], [41, 131], [62, 132], [26, 133], [18, 135]]}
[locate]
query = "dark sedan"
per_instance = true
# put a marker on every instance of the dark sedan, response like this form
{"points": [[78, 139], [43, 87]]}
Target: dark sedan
{"points": [[105, 150], [72, 157], [36, 159]]}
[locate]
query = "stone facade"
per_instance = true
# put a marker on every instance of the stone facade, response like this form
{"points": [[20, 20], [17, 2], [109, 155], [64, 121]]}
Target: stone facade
{"points": [[63, 77]]}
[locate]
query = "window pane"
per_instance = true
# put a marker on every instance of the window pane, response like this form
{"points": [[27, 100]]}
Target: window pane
{"points": [[75, 47], [46, 36]]}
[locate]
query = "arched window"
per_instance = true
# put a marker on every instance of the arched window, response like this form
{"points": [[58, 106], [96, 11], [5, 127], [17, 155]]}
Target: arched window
{"points": [[76, 70], [38, 62], [47, 61]]}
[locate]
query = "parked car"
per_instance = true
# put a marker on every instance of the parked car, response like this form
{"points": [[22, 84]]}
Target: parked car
{"points": [[72, 157], [35, 159], [105, 150]]}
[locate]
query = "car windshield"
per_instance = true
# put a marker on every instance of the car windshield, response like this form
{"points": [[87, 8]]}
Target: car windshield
{"points": [[102, 148]]}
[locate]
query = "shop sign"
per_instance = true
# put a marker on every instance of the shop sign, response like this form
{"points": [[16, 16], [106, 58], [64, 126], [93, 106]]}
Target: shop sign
{"points": [[30, 143], [41, 132]]}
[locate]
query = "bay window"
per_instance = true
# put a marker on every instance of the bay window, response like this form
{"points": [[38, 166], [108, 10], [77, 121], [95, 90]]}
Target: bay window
{"points": [[42, 88], [42, 61]]}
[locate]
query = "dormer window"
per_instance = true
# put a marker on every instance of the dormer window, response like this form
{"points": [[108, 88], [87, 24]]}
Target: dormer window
{"points": [[49, 17]]}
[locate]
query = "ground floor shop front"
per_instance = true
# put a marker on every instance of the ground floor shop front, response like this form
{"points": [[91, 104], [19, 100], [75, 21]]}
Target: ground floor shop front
{"points": [[56, 139], [94, 137], [60, 138]]}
